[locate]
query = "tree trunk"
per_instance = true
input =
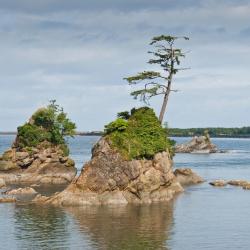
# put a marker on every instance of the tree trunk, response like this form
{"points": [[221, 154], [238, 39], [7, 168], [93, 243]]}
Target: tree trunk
{"points": [[165, 100], [164, 104]]}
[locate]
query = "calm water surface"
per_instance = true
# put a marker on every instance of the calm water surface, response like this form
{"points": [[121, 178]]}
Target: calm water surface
{"points": [[202, 217]]}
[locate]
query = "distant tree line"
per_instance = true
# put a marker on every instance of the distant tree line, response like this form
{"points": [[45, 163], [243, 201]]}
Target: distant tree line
{"points": [[243, 132]]}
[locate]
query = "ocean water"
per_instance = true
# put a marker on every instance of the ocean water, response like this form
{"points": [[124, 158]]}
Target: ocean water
{"points": [[203, 217]]}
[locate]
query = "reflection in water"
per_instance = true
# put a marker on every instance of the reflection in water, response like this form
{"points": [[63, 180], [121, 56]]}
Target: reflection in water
{"points": [[126, 227], [93, 227], [40, 227]]}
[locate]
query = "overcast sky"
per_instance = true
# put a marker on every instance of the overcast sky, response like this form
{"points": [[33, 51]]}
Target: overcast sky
{"points": [[78, 52]]}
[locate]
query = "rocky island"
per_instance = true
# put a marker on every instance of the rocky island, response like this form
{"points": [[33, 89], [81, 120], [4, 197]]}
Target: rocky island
{"points": [[39, 153], [131, 163], [199, 144]]}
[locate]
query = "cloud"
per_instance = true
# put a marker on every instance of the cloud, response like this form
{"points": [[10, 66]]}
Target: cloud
{"points": [[79, 51]]}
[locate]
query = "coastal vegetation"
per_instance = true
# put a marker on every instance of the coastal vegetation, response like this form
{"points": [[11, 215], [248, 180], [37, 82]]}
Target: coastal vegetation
{"points": [[47, 126], [243, 132], [156, 83], [138, 134]]}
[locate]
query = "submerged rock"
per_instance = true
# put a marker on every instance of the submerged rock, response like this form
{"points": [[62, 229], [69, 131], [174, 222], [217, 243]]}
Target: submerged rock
{"points": [[218, 183], [185, 176], [198, 145], [109, 179], [240, 183]]}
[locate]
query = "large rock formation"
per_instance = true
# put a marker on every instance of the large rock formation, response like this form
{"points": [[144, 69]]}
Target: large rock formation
{"points": [[199, 144], [110, 179], [36, 165]]}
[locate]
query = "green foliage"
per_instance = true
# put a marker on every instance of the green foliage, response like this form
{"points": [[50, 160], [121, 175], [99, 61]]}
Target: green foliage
{"points": [[118, 125], [168, 58], [141, 136], [48, 124], [124, 115], [29, 135]]}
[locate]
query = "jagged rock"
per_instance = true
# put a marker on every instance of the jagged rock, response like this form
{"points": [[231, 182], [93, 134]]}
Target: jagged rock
{"points": [[185, 176], [38, 165], [218, 183], [109, 179], [27, 190], [199, 144]]}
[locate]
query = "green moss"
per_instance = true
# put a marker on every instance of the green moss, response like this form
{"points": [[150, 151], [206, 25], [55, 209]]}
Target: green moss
{"points": [[141, 136]]}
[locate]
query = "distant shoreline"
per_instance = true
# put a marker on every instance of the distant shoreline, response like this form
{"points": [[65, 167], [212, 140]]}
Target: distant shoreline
{"points": [[100, 133]]}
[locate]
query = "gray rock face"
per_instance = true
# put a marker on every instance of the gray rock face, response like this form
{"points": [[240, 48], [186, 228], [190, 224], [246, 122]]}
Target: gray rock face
{"points": [[38, 165], [185, 176], [201, 144], [109, 179]]}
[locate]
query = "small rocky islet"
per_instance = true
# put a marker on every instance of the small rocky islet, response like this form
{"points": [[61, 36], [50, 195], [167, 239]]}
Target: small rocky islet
{"points": [[198, 145], [39, 154]]}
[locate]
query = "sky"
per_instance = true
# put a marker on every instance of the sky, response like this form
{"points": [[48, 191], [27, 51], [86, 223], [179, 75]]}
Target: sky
{"points": [[78, 52]]}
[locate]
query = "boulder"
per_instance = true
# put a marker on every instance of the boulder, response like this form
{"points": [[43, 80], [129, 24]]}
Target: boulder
{"points": [[110, 179], [186, 176], [218, 183], [240, 183], [7, 199], [198, 145], [26, 191]]}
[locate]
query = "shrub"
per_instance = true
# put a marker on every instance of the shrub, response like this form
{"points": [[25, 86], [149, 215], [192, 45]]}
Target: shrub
{"points": [[48, 124], [117, 125], [30, 135], [139, 137]]}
